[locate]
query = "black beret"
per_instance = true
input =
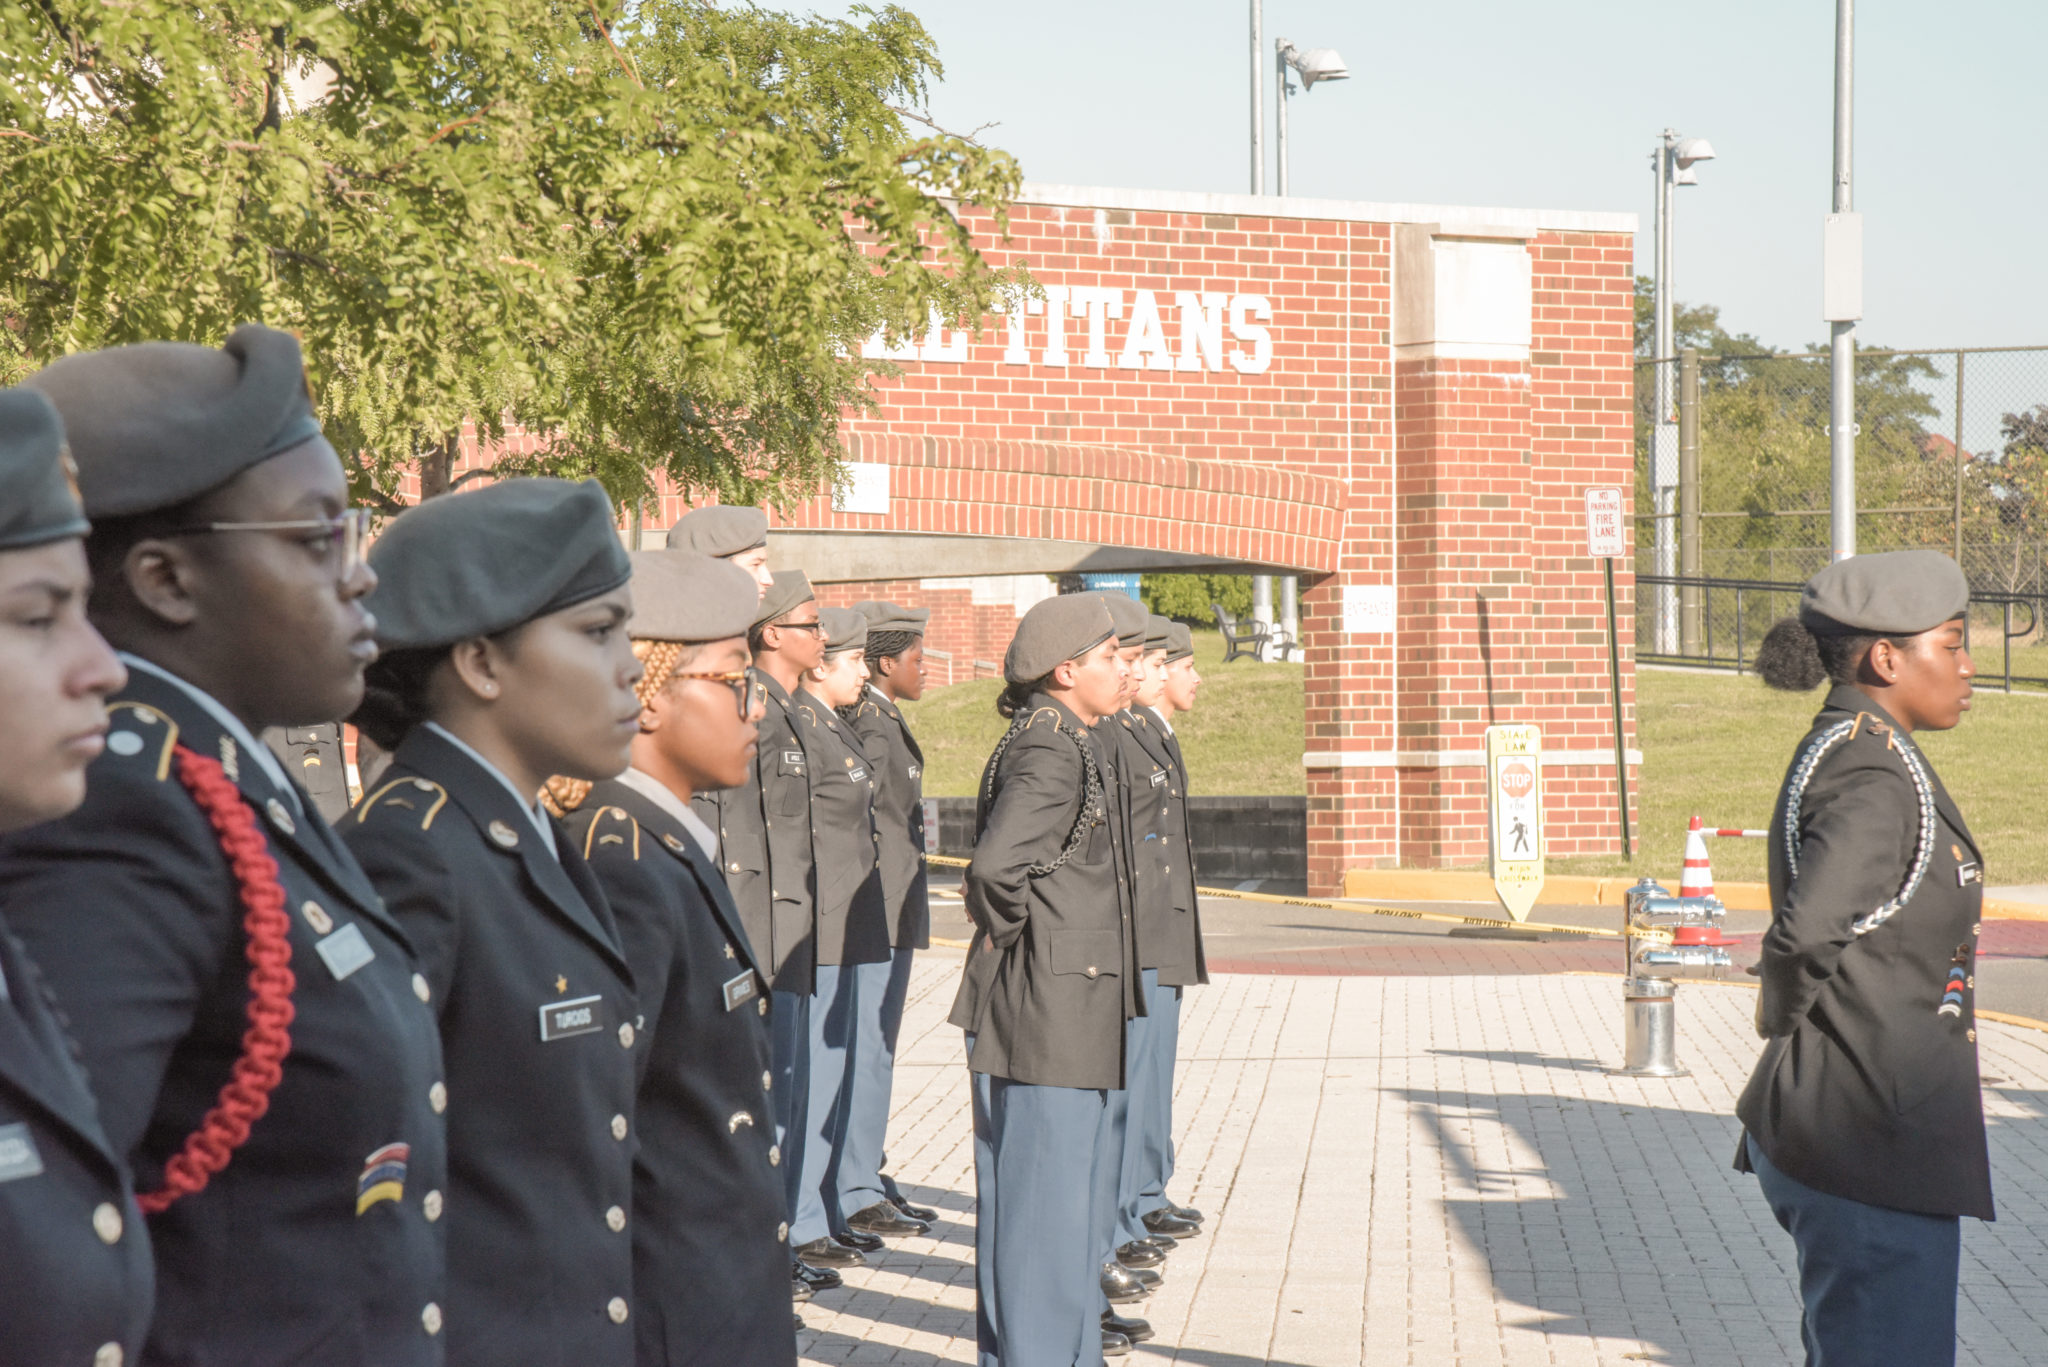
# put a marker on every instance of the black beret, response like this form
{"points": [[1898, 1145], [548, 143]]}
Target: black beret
{"points": [[1054, 631], [38, 495], [1180, 642], [1157, 630], [719, 531], [790, 591], [844, 629], [485, 561], [894, 617], [1894, 592], [683, 596], [158, 423], [1129, 615]]}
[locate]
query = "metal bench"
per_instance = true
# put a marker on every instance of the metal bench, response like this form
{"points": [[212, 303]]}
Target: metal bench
{"points": [[1242, 639]]}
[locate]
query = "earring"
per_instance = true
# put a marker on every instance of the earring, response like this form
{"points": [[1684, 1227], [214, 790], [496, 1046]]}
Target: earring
{"points": [[488, 689]]}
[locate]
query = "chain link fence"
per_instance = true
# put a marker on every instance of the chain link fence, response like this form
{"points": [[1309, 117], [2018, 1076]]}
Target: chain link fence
{"points": [[1734, 488]]}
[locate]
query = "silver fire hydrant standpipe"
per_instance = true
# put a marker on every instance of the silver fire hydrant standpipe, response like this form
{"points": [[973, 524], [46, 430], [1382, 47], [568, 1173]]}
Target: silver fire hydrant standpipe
{"points": [[1664, 933]]}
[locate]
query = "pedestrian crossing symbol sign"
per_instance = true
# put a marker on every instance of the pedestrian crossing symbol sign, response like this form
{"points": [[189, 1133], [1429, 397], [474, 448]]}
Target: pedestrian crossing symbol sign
{"points": [[1514, 804]]}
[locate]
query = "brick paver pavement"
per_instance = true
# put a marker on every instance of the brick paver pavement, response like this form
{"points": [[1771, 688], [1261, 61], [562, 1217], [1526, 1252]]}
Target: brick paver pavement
{"points": [[1435, 1170]]}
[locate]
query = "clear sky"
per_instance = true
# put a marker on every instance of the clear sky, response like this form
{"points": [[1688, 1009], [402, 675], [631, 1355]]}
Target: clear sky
{"points": [[1506, 103]]}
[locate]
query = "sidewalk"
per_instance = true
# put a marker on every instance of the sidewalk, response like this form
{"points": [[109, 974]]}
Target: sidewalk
{"points": [[1436, 1170]]}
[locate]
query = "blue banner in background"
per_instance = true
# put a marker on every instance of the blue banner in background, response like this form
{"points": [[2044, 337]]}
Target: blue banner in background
{"points": [[1112, 583]]}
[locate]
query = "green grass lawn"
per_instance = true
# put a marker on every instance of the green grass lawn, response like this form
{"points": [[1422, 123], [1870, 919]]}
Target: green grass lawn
{"points": [[1244, 735], [1715, 744]]}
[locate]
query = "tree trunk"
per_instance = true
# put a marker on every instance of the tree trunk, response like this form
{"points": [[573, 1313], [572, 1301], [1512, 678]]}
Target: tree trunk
{"points": [[437, 466]]}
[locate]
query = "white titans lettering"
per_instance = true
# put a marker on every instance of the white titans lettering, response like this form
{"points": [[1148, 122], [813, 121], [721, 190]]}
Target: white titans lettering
{"points": [[1077, 330]]}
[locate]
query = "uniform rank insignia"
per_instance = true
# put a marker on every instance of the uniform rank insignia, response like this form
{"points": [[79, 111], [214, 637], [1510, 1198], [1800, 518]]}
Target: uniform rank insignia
{"points": [[345, 950], [740, 990], [566, 1020], [383, 1176]]}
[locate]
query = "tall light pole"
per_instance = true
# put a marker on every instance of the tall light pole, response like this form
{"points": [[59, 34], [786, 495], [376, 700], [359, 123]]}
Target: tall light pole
{"points": [[1842, 296], [1258, 97], [1316, 64], [1671, 162]]}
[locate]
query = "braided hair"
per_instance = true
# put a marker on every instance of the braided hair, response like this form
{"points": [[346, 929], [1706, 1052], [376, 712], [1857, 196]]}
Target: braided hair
{"points": [[887, 645]]}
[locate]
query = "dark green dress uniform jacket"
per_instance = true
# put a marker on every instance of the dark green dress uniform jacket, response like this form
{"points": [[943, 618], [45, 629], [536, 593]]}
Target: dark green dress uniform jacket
{"points": [[68, 1293], [1866, 1089], [314, 1245], [1158, 847], [1047, 985], [899, 817], [538, 1020], [764, 846], [1192, 964], [710, 1242], [853, 921]]}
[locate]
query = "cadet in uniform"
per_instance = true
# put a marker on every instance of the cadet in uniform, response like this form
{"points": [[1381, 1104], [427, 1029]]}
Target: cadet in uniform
{"points": [[247, 1007], [727, 533], [710, 1214], [1864, 1119], [1152, 1147], [502, 613], [1046, 991], [868, 1197], [70, 1296], [852, 926]]}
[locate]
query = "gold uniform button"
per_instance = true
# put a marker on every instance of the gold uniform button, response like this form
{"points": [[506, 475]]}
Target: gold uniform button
{"points": [[775, 1155], [767, 1081], [616, 1308], [615, 1219], [782, 1232], [1977, 929], [430, 1206], [733, 867], [626, 1035], [109, 1355], [1970, 1035], [1091, 970], [761, 1006], [430, 1319], [420, 988], [618, 1127], [437, 1097], [107, 1223]]}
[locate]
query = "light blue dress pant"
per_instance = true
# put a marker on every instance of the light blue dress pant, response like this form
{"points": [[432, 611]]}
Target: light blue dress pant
{"points": [[810, 1151], [1148, 1140], [1038, 1295], [879, 1020]]}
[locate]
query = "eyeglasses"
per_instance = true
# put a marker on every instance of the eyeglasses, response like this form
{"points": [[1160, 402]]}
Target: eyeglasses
{"points": [[345, 534], [798, 626], [749, 691]]}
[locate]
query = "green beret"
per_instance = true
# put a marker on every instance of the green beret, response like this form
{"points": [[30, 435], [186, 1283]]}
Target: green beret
{"points": [[485, 561], [1157, 629], [156, 424], [844, 629], [790, 591], [1129, 615], [38, 496], [1180, 642], [894, 617], [683, 596], [1054, 631], [1896, 593], [719, 531]]}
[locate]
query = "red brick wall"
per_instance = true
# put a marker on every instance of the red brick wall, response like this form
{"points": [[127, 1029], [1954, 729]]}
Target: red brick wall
{"points": [[972, 634]]}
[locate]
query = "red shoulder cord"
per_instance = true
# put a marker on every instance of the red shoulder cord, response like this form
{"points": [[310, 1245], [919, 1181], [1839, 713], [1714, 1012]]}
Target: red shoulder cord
{"points": [[267, 1040]]}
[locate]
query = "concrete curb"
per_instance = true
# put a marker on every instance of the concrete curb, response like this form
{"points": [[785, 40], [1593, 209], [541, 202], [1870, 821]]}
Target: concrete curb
{"points": [[1467, 885]]}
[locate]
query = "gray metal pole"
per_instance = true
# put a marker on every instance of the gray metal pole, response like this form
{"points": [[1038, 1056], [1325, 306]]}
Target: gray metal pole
{"points": [[1689, 597], [1280, 114], [1258, 97], [1959, 458], [1663, 433], [1842, 342]]}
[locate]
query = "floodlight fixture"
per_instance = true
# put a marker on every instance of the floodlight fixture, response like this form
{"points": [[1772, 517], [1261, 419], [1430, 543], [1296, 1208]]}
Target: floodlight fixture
{"points": [[1690, 150], [1316, 64]]}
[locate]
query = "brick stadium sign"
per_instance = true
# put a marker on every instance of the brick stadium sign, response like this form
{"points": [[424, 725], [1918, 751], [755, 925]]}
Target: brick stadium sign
{"points": [[1402, 403]]}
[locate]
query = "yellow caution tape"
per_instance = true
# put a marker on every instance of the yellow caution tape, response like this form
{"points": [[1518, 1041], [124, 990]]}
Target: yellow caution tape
{"points": [[1443, 917]]}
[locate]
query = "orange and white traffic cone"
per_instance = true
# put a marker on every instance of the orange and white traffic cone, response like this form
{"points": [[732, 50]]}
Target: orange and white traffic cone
{"points": [[1698, 878]]}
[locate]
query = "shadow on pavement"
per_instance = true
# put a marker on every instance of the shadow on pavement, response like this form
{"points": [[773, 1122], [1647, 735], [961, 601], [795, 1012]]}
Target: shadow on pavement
{"points": [[1525, 1058]]}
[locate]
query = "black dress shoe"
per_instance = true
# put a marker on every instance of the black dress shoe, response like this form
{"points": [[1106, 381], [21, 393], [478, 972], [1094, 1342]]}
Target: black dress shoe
{"points": [[884, 1221], [1121, 1286], [1188, 1213], [1172, 1226], [1136, 1330], [1163, 1242], [799, 1321], [1148, 1277], [1138, 1254], [815, 1278], [829, 1253], [1114, 1345], [924, 1213], [798, 1292], [866, 1243]]}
